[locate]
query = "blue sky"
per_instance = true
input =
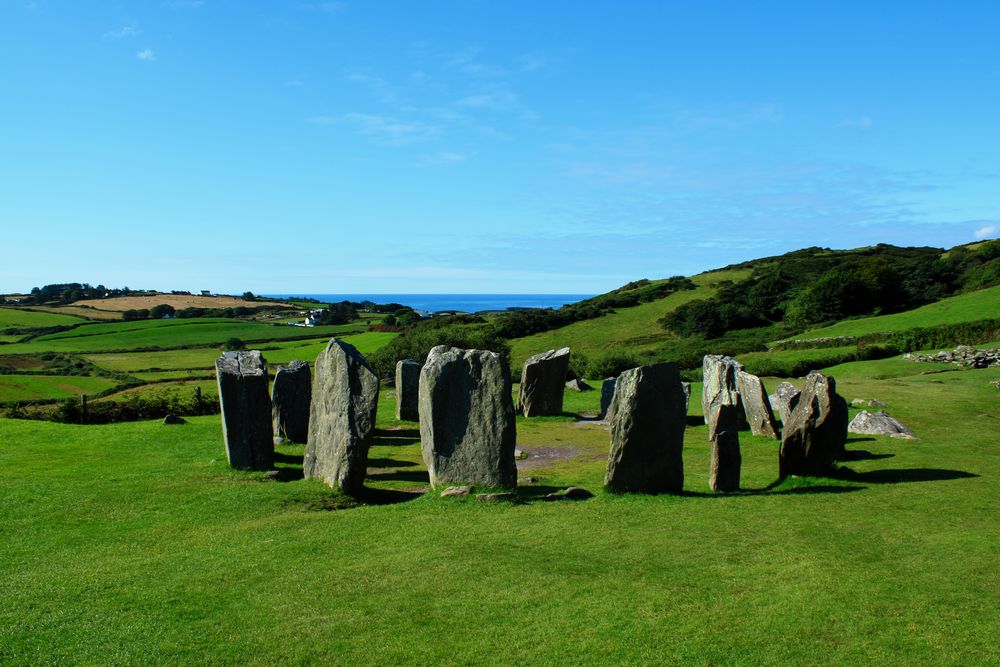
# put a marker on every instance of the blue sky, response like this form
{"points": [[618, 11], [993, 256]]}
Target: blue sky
{"points": [[481, 146]]}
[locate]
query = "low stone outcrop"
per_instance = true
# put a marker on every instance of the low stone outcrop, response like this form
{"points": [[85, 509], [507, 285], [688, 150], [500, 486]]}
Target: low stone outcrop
{"points": [[246, 409], [878, 423], [543, 380], [291, 396], [578, 385], [467, 429], [647, 431], [963, 355], [341, 418]]}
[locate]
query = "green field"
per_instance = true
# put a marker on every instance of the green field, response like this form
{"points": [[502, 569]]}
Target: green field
{"points": [[135, 543], [35, 387], [13, 318], [979, 305], [166, 334], [634, 328]]}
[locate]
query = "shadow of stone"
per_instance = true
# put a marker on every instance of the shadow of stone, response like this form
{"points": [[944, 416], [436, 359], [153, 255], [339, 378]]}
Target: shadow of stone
{"points": [[695, 420], [371, 496], [280, 457], [536, 492], [389, 463], [397, 433], [385, 441], [289, 474], [866, 439], [401, 476], [864, 455], [770, 491], [902, 475]]}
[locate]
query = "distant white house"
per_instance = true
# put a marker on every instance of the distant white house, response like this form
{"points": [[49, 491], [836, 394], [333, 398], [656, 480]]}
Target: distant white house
{"points": [[312, 319]]}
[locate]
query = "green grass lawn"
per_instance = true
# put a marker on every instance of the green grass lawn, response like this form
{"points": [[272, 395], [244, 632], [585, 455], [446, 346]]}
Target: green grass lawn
{"points": [[11, 318], [633, 328], [135, 543], [35, 387], [167, 334], [979, 305]]}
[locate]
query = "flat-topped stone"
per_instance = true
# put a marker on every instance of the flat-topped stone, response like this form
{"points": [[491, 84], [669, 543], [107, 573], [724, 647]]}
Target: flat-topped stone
{"points": [[407, 389], [246, 409], [291, 396], [543, 380]]}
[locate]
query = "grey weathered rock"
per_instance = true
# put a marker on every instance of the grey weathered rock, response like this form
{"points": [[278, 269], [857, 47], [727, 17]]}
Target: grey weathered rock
{"points": [[877, 423], [570, 493], [341, 417], [647, 431], [756, 405], [607, 393], [786, 397], [578, 385], [503, 497], [686, 386], [467, 430], [173, 419], [246, 409], [725, 462], [291, 396], [456, 491], [407, 389], [816, 431], [543, 380], [720, 398]]}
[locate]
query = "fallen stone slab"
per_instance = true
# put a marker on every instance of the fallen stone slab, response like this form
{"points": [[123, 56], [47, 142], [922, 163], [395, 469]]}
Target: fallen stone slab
{"points": [[877, 423], [503, 497], [578, 385], [456, 491], [570, 493]]}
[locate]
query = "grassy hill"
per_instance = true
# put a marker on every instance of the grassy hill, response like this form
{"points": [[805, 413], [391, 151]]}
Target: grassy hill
{"points": [[135, 543]]}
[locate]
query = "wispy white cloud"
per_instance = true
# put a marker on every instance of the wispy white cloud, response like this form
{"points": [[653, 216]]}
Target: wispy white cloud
{"points": [[146, 55], [862, 122], [382, 129], [986, 231], [127, 30]]}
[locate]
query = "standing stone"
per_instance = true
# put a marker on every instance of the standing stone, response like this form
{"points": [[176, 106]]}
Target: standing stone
{"points": [[607, 393], [290, 399], [756, 405], [687, 396], [786, 397], [724, 468], [341, 417], [543, 380], [246, 409], [816, 431], [407, 389], [647, 431], [467, 430], [720, 399]]}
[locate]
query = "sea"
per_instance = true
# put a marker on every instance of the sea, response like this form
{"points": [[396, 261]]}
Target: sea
{"points": [[467, 303]]}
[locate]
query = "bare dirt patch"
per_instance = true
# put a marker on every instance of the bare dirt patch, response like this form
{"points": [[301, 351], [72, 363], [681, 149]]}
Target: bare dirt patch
{"points": [[539, 456], [178, 301]]}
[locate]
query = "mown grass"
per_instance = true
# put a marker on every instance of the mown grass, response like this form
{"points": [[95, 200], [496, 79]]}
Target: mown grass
{"points": [[135, 543], [35, 387], [167, 334], [978, 305], [14, 318], [634, 329]]}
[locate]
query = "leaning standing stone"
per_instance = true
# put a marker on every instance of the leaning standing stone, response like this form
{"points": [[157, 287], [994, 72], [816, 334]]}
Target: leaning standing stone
{"points": [[543, 380], [816, 431], [607, 393], [246, 409], [341, 417], [290, 399], [467, 430], [407, 389], [647, 431], [756, 405], [720, 398], [786, 398], [724, 467]]}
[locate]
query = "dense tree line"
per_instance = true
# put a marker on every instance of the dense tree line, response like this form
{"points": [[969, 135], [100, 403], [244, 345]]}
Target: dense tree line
{"points": [[63, 293], [815, 286]]}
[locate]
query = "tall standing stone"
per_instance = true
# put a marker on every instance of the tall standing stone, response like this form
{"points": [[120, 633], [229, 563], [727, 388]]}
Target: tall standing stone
{"points": [[786, 397], [756, 405], [543, 380], [291, 395], [686, 386], [467, 430], [407, 389], [607, 393], [816, 431], [246, 409], [725, 462], [720, 398], [341, 417], [647, 431]]}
